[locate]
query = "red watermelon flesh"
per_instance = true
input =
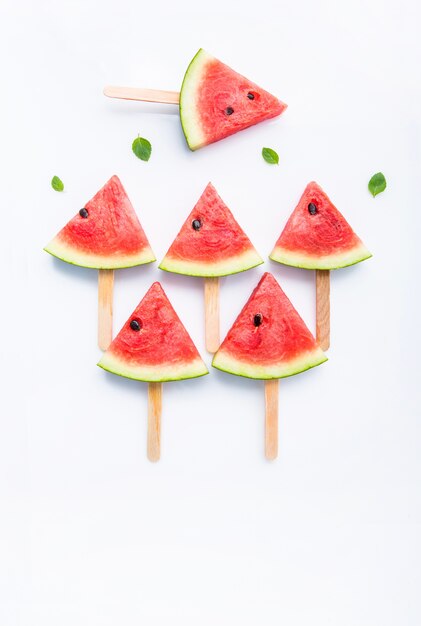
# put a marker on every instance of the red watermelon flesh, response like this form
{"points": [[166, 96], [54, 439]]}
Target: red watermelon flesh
{"points": [[216, 101], [317, 236], [210, 242], [108, 236], [268, 339], [158, 348]]}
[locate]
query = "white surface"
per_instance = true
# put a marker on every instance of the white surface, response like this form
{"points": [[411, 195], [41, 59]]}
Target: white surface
{"points": [[90, 532]]}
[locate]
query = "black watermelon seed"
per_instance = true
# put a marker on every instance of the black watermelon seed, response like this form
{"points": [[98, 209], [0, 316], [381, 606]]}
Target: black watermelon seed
{"points": [[83, 212], [250, 95], [258, 319], [135, 325], [312, 209], [196, 224], [229, 110]]}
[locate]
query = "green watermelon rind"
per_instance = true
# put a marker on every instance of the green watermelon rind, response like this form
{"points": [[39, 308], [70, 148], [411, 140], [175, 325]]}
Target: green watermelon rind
{"points": [[319, 262], [233, 265], [228, 363], [153, 374], [189, 118], [73, 256]]}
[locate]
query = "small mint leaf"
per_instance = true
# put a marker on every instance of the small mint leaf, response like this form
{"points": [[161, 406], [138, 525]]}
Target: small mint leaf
{"points": [[377, 184], [270, 156], [57, 184], [142, 148]]}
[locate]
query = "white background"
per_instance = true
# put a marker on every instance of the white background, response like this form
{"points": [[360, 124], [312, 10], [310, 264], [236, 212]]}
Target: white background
{"points": [[93, 534]]}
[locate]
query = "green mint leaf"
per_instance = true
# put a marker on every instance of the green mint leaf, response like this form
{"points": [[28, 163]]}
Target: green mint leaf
{"points": [[142, 148], [270, 156], [377, 184], [57, 184]]}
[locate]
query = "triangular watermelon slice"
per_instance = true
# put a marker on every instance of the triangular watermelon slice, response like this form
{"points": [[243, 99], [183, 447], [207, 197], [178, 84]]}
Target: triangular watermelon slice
{"points": [[210, 242], [317, 236], [268, 339], [216, 102], [153, 345], [105, 234]]}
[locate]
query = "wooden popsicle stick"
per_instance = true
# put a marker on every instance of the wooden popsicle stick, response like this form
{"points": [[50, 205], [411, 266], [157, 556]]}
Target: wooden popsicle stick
{"points": [[154, 421], [212, 339], [105, 308], [323, 308], [145, 95], [271, 418]]}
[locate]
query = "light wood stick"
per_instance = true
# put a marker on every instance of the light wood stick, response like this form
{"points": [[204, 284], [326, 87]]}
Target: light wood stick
{"points": [[271, 421], [145, 95], [212, 339], [323, 308], [105, 308], [154, 421]]}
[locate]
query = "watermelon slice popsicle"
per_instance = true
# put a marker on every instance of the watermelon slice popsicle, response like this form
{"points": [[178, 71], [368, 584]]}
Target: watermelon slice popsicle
{"points": [[211, 244], [215, 101], [105, 235], [318, 237], [268, 341], [154, 347]]}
